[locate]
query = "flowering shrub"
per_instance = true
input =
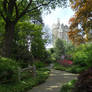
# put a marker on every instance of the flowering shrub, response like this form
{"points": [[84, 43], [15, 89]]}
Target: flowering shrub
{"points": [[65, 62]]}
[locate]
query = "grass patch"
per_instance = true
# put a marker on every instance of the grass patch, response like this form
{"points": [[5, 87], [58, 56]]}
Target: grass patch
{"points": [[23, 86]]}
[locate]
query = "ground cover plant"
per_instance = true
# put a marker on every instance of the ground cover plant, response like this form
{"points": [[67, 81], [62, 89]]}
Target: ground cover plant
{"points": [[72, 68], [81, 60], [82, 84], [26, 84], [68, 87], [9, 77], [8, 70]]}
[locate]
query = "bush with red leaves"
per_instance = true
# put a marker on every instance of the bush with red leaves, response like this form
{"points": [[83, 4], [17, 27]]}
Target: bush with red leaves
{"points": [[84, 83], [65, 62]]}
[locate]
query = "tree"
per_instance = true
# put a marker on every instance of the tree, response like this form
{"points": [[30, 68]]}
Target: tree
{"points": [[25, 34], [59, 49], [81, 22], [38, 43], [28, 42], [13, 10], [20, 50], [1, 33]]}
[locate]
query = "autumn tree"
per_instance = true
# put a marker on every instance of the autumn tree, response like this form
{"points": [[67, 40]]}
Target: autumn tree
{"points": [[12, 11], [81, 22]]}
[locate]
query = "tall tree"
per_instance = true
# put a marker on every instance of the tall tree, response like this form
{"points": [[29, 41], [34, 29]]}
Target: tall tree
{"points": [[28, 42], [81, 22], [13, 10], [38, 44], [59, 49]]}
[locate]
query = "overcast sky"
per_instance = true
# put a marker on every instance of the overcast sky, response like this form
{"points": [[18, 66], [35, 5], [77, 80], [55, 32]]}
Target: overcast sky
{"points": [[63, 14]]}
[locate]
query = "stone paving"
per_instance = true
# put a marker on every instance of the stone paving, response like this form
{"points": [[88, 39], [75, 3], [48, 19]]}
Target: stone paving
{"points": [[54, 82]]}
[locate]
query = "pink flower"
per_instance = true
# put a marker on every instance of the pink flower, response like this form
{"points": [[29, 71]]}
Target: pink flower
{"points": [[65, 62]]}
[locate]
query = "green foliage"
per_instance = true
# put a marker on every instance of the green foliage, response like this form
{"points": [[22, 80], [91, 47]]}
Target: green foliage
{"points": [[28, 37], [69, 49], [26, 84], [68, 87], [48, 58], [2, 23], [82, 59], [51, 55], [39, 64], [58, 66], [38, 45], [8, 70], [13, 11], [83, 55], [59, 48], [76, 69], [71, 69]]}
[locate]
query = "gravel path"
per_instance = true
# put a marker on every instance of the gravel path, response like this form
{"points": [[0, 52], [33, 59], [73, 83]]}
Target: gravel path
{"points": [[54, 82]]}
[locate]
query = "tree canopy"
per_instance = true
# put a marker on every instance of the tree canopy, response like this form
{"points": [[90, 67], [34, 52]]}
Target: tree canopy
{"points": [[13, 11], [81, 22]]}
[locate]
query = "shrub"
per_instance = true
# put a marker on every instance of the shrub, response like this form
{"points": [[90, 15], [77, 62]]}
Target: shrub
{"points": [[75, 69], [47, 58], [8, 70], [59, 49], [68, 87], [26, 84], [58, 66], [72, 68], [39, 64], [84, 82], [65, 62], [83, 55]]}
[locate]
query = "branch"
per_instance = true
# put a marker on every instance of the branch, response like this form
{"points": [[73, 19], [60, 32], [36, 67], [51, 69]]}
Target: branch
{"points": [[27, 11], [10, 7], [5, 5], [1, 13], [16, 8], [20, 3], [23, 12], [38, 6]]}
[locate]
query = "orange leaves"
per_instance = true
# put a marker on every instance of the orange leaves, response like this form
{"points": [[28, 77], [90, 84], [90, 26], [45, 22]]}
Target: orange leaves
{"points": [[82, 17], [71, 20], [75, 37]]}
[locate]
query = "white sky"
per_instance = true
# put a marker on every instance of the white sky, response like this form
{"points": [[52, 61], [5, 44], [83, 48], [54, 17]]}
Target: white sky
{"points": [[63, 14]]}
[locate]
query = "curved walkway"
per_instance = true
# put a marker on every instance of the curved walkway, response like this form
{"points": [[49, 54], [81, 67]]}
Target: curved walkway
{"points": [[54, 82]]}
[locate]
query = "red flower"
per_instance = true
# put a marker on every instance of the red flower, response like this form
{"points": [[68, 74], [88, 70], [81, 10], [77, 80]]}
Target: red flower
{"points": [[65, 62]]}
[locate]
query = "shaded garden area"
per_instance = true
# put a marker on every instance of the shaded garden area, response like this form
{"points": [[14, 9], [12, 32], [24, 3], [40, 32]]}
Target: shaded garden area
{"points": [[24, 59]]}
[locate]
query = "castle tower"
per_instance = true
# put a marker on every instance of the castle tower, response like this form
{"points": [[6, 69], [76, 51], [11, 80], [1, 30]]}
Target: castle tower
{"points": [[60, 31]]}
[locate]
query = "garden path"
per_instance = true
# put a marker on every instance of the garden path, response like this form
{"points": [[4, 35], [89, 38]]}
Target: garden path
{"points": [[54, 82]]}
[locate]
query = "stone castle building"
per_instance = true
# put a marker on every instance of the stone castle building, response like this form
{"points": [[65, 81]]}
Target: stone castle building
{"points": [[59, 31]]}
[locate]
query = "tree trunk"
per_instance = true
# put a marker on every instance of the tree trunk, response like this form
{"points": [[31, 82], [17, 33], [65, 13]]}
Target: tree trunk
{"points": [[8, 40]]}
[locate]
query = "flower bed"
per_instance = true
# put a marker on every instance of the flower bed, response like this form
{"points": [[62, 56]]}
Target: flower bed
{"points": [[65, 62]]}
